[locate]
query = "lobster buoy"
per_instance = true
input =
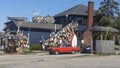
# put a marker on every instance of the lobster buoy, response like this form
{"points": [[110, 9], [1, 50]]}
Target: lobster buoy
{"points": [[74, 40]]}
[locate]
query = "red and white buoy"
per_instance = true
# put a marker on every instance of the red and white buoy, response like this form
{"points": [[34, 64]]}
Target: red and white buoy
{"points": [[73, 41]]}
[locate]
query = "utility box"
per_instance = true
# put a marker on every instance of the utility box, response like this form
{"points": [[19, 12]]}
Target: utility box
{"points": [[105, 46]]}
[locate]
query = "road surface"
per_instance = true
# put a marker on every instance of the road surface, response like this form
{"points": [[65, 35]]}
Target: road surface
{"points": [[59, 61]]}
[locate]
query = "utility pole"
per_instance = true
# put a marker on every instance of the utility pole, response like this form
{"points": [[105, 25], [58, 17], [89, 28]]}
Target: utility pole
{"points": [[55, 27]]}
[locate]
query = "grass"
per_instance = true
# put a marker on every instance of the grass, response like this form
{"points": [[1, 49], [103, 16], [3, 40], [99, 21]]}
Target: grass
{"points": [[28, 51]]}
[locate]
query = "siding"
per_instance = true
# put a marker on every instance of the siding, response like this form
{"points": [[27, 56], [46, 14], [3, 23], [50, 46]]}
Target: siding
{"points": [[35, 37]]}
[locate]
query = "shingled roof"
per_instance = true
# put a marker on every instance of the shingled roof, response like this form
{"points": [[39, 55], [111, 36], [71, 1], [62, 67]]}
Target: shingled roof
{"points": [[102, 28], [76, 10], [37, 25]]}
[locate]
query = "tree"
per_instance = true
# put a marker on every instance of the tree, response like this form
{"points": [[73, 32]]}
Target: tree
{"points": [[106, 13], [106, 16], [117, 26], [117, 23]]}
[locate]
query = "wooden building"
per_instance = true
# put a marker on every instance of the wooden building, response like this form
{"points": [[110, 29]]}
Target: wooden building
{"points": [[35, 31], [39, 31]]}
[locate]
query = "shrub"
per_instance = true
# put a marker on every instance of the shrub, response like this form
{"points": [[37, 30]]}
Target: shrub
{"points": [[117, 47], [19, 50], [35, 47], [2, 52]]}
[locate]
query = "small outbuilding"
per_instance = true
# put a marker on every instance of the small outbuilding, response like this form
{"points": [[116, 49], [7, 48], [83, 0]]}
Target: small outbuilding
{"points": [[104, 39]]}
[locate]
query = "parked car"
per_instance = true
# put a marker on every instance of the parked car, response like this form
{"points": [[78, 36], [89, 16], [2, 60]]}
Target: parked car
{"points": [[63, 49], [86, 49]]}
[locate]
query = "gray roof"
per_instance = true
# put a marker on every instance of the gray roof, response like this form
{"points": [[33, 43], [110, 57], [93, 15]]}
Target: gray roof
{"points": [[102, 28], [38, 25], [76, 10]]}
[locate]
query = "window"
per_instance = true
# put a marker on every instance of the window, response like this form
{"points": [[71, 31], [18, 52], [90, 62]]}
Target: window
{"points": [[7, 30], [80, 21], [79, 35]]}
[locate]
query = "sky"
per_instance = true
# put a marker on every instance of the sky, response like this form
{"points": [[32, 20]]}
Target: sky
{"points": [[27, 8]]}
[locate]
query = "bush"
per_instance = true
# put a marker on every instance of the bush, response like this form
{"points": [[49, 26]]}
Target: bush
{"points": [[117, 47], [23, 50], [2, 52], [35, 47], [19, 50]]}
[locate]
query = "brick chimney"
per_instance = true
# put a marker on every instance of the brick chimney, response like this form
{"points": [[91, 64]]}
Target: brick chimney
{"points": [[90, 13], [88, 33]]}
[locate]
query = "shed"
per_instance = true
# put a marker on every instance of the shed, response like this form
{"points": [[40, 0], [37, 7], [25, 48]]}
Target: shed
{"points": [[103, 45]]}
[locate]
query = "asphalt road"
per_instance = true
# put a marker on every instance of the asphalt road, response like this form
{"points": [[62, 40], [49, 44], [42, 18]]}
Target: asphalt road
{"points": [[59, 61]]}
